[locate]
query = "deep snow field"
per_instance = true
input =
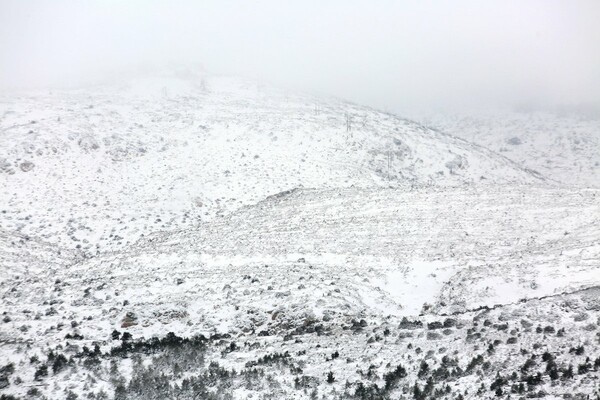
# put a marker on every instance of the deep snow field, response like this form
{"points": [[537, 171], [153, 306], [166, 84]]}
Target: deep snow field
{"points": [[183, 237]]}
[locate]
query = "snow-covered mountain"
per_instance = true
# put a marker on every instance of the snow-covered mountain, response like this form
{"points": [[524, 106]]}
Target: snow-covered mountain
{"points": [[381, 277], [97, 168], [211, 238], [561, 146], [386, 251]]}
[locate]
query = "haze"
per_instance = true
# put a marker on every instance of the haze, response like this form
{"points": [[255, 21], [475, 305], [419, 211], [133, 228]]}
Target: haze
{"points": [[388, 54]]}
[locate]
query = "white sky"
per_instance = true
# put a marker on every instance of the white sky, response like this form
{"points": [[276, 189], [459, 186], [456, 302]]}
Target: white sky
{"points": [[388, 54]]}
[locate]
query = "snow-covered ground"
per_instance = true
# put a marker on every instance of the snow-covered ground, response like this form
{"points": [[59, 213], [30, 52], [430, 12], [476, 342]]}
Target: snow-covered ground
{"points": [[322, 249], [95, 169], [562, 146], [387, 251]]}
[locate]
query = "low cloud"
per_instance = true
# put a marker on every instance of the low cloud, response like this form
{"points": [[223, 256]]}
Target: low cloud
{"points": [[388, 54]]}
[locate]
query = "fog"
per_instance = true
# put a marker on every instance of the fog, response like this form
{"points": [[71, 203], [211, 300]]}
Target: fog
{"points": [[388, 54]]}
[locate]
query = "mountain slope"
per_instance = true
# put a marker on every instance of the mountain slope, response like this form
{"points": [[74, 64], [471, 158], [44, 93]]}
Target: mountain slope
{"points": [[351, 251], [236, 242], [97, 168], [284, 285], [23, 256], [560, 146], [401, 236]]}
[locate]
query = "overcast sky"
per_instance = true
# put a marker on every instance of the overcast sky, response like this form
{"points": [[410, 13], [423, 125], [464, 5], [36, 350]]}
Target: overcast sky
{"points": [[388, 54]]}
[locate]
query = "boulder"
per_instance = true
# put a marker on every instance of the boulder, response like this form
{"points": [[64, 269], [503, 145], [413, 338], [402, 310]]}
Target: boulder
{"points": [[130, 319]]}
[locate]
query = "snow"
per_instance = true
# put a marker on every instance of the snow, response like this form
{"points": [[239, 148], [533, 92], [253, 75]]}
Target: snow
{"points": [[560, 145], [205, 205], [417, 284], [112, 163]]}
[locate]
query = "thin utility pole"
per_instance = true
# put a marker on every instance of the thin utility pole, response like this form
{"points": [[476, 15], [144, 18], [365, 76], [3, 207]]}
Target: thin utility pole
{"points": [[389, 164]]}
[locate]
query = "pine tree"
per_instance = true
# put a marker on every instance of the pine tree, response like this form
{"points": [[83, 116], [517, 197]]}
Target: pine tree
{"points": [[330, 377]]}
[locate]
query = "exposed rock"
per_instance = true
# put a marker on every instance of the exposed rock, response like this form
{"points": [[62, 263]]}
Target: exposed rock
{"points": [[526, 324], [88, 143], [590, 327], [435, 325], [581, 317], [130, 319], [26, 166], [515, 141], [5, 372], [406, 324], [449, 323], [6, 167]]}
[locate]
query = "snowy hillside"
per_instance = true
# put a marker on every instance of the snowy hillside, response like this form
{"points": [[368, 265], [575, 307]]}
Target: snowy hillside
{"points": [[97, 168], [390, 251], [25, 255], [308, 268], [210, 238], [412, 238], [562, 147]]}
